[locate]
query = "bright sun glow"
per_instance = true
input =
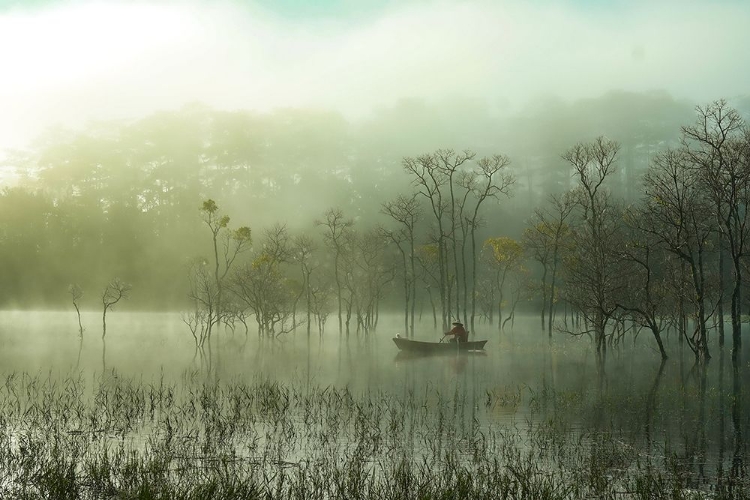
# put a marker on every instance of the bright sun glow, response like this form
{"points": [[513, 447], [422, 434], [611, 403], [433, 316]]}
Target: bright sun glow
{"points": [[70, 62], [74, 45]]}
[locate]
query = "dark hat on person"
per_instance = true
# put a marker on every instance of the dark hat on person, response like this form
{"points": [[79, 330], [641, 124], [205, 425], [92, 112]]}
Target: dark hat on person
{"points": [[457, 323]]}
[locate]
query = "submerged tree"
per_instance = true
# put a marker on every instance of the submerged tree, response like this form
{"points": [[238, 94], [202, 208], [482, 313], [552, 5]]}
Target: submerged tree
{"points": [[717, 146], [455, 189], [407, 212], [207, 284], [434, 176], [337, 230], [263, 288], [429, 274], [677, 214], [646, 266], [546, 240], [115, 291], [303, 248], [203, 293], [488, 180], [504, 257], [591, 268], [197, 323], [76, 294], [369, 271]]}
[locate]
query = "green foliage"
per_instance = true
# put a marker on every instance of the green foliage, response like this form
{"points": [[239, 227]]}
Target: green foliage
{"points": [[120, 198], [242, 234], [209, 206]]}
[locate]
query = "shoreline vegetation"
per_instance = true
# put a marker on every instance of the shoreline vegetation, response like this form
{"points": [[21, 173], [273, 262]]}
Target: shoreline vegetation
{"points": [[113, 436]]}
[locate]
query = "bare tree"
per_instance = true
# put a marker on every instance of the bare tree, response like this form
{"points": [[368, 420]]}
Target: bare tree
{"points": [[488, 180], [203, 293], [369, 272], [303, 248], [646, 265], [320, 302], [264, 287], [456, 188], [504, 257], [429, 273], [265, 290], [717, 146], [434, 176], [277, 245], [406, 211], [115, 291], [76, 294], [337, 228], [678, 215], [546, 240], [591, 266], [518, 289], [198, 324]]}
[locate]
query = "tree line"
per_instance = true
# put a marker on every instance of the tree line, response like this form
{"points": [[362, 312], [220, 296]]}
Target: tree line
{"points": [[342, 230], [673, 260]]}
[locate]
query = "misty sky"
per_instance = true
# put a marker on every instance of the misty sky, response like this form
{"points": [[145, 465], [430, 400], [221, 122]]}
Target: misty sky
{"points": [[68, 62]]}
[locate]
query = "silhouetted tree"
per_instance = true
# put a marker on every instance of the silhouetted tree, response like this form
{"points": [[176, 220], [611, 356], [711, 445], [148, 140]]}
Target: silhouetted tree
{"points": [[337, 229], [303, 249], [717, 146], [434, 176], [504, 257], [487, 181], [368, 272], [232, 243], [114, 292], [591, 267], [546, 239], [429, 274], [678, 214], [407, 212], [263, 288], [76, 294], [645, 298]]}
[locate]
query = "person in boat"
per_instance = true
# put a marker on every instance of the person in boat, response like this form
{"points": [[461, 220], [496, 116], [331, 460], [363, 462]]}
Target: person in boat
{"points": [[459, 333]]}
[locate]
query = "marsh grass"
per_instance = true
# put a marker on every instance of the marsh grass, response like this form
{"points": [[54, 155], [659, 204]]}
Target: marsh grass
{"points": [[119, 437]]}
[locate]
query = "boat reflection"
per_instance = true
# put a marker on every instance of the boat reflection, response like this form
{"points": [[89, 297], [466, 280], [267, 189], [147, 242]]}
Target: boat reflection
{"points": [[412, 355], [456, 360]]}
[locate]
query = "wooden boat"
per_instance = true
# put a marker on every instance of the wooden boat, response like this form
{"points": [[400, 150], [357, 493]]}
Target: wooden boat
{"points": [[438, 347]]}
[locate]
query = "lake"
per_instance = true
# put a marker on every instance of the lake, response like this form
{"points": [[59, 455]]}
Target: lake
{"points": [[270, 404]]}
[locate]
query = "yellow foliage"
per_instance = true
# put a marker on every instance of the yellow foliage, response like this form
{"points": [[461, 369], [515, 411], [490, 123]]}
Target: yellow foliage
{"points": [[428, 251], [262, 260], [504, 249]]}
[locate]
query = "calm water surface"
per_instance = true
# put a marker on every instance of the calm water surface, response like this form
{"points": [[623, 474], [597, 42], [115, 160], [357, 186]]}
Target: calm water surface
{"points": [[698, 417]]}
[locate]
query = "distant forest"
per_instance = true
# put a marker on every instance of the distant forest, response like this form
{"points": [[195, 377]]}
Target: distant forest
{"points": [[440, 211]]}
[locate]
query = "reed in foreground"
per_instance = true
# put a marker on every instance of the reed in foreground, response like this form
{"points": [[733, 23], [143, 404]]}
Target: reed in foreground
{"points": [[122, 438]]}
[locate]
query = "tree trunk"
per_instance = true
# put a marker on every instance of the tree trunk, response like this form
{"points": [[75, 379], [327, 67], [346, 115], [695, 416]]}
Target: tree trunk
{"points": [[104, 323], [473, 277], [544, 296], [80, 326], [720, 308], [657, 336], [413, 283], [737, 310], [552, 288]]}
